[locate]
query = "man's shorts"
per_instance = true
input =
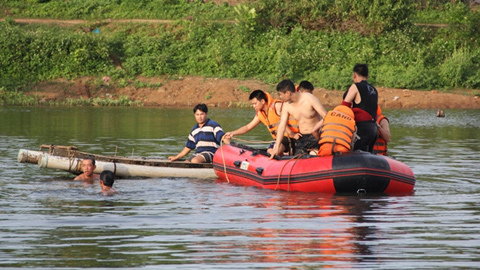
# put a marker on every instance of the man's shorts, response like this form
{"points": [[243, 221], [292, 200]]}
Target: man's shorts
{"points": [[207, 156], [306, 143], [289, 144]]}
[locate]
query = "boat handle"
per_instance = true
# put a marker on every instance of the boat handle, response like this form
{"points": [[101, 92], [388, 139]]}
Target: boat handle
{"points": [[259, 170], [237, 163]]}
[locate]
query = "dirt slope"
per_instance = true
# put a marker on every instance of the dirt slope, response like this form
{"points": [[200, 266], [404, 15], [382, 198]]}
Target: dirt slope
{"points": [[188, 91]]}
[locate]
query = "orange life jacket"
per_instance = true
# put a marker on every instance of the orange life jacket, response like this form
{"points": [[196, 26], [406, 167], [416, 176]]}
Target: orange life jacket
{"points": [[271, 119], [337, 132], [380, 147]]}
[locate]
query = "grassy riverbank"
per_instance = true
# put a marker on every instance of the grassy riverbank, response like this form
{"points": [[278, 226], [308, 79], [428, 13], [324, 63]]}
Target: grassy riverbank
{"points": [[269, 40]]}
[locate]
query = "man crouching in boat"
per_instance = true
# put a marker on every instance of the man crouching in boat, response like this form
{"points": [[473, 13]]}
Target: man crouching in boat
{"points": [[267, 111], [88, 167], [307, 110], [205, 137]]}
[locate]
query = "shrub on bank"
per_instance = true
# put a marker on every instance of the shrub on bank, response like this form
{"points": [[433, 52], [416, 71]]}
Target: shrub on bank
{"points": [[269, 50], [19, 98], [118, 9]]}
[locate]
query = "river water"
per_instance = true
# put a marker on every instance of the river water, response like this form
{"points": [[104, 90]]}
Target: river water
{"points": [[49, 222]]}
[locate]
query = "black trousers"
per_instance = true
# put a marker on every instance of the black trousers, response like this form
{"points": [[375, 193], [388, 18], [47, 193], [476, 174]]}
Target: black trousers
{"points": [[368, 133]]}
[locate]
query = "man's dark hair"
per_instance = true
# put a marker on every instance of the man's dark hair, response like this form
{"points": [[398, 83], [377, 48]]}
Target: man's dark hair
{"points": [[258, 94], [107, 178], [286, 85], [202, 107], [361, 69], [90, 158], [306, 85]]}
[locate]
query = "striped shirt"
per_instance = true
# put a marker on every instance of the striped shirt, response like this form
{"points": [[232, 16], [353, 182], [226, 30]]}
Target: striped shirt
{"points": [[206, 138]]}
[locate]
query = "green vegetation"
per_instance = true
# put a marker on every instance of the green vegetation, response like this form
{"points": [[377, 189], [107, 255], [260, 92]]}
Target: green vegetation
{"points": [[271, 39], [244, 89], [16, 98], [20, 98], [117, 9]]}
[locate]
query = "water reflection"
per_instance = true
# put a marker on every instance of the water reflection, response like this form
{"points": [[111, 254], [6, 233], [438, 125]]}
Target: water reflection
{"points": [[48, 222], [308, 228]]}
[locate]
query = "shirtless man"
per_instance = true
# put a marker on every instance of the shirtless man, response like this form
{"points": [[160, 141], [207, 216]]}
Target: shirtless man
{"points": [[305, 86], [307, 110], [88, 166]]}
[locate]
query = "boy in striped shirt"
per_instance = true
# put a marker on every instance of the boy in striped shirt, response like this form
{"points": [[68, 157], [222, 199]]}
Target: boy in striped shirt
{"points": [[205, 137]]}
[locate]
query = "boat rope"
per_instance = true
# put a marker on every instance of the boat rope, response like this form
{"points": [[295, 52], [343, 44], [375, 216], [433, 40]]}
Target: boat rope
{"points": [[295, 158], [223, 156], [223, 159], [291, 169], [72, 157], [71, 160]]}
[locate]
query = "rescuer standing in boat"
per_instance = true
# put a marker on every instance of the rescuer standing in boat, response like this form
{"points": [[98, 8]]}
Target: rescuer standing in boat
{"points": [[363, 99], [205, 137]]}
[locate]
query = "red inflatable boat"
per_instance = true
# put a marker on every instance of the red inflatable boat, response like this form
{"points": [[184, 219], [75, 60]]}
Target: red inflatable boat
{"points": [[356, 171]]}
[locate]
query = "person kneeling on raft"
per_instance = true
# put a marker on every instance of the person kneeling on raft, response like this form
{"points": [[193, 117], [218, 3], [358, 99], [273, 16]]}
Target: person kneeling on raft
{"points": [[337, 134]]}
